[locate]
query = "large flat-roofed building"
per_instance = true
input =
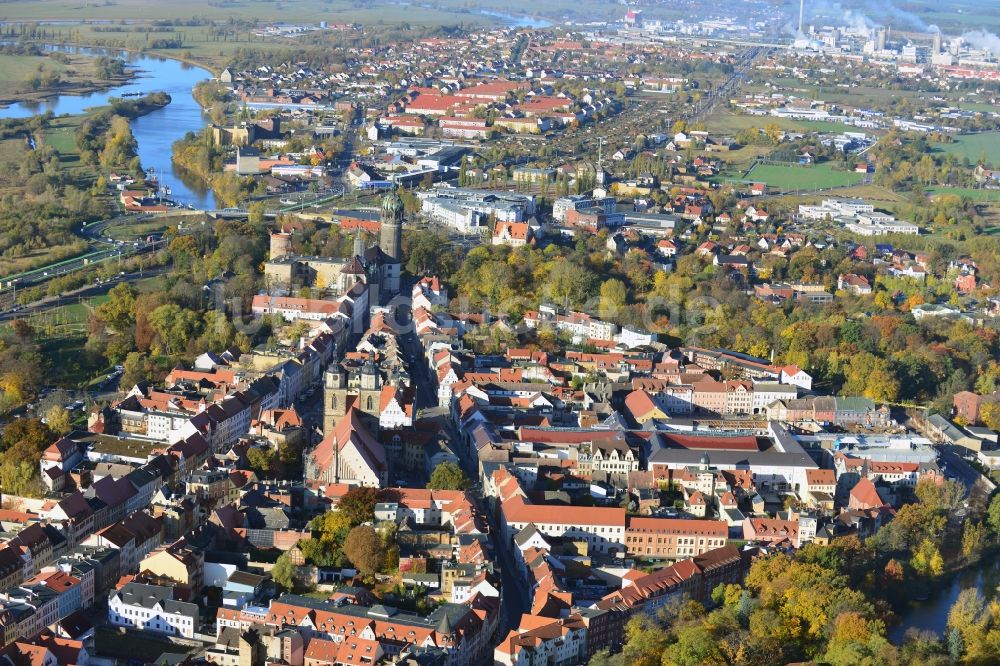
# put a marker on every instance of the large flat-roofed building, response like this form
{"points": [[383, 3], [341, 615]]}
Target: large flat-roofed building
{"points": [[775, 459], [462, 207], [563, 205]]}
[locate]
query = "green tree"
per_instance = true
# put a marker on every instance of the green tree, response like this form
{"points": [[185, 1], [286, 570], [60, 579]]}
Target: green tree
{"points": [[645, 641], [175, 326], [135, 369], [567, 284], [614, 296], [283, 571], [695, 645], [993, 515], [448, 476], [261, 462], [601, 658], [59, 419], [118, 312], [219, 331]]}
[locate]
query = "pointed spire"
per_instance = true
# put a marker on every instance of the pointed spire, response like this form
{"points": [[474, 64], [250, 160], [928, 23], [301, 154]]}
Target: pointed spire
{"points": [[444, 626]]}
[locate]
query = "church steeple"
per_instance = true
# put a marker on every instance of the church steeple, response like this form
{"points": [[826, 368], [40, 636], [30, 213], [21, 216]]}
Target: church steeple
{"points": [[391, 232], [359, 243]]}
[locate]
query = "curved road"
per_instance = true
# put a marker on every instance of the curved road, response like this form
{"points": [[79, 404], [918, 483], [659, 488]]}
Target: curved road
{"points": [[88, 291]]}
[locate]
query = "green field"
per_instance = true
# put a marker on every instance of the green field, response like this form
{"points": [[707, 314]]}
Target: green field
{"points": [[884, 199], [796, 177], [974, 146], [727, 122], [61, 135], [979, 196], [12, 151], [15, 69]]}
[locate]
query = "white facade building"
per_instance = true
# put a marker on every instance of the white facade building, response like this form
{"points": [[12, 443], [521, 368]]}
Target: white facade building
{"points": [[152, 608]]}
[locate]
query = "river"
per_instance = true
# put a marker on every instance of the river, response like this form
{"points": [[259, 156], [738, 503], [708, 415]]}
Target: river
{"points": [[155, 132], [932, 614], [518, 21]]}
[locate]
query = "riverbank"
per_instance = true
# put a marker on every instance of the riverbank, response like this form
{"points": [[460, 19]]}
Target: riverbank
{"points": [[214, 62], [197, 159], [931, 614], [31, 79], [81, 181]]}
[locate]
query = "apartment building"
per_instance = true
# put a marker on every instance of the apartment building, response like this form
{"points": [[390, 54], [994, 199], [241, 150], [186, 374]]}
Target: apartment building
{"points": [[673, 538]]}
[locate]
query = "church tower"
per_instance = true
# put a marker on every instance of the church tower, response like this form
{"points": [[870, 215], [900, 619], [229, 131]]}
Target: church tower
{"points": [[391, 233], [359, 244]]}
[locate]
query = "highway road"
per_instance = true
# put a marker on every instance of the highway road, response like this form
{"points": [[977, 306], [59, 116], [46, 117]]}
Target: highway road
{"points": [[88, 291]]}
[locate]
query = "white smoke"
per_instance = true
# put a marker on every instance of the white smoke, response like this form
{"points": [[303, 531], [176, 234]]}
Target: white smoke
{"points": [[898, 17], [981, 39], [856, 20], [827, 10]]}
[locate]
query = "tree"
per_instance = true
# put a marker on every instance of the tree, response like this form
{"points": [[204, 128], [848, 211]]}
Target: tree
{"points": [[567, 283], [23, 330], [614, 296], [993, 515], [946, 496], [956, 646], [927, 559], [19, 473], [118, 312], [363, 547], [989, 414], [696, 645], [12, 388], [358, 505], [175, 326], [30, 432], [183, 249], [448, 476], [283, 571], [23, 442], [59, 419], [219, 330], [243, 342], [601, 658], [136, 369], [968, 616], [261, 462], [644, 642]]}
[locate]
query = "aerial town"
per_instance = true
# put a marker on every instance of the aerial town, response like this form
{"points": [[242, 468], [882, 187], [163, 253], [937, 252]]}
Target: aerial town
{"points": [[492, 333]]}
